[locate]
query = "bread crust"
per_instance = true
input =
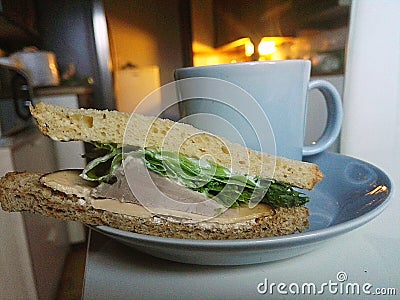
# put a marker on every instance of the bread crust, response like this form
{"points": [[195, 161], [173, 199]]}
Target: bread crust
{"points": [[103, 126], [22, 191]]}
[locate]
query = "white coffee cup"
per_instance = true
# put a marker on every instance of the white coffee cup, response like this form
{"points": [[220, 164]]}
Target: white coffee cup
{"points": [[258, 104]]}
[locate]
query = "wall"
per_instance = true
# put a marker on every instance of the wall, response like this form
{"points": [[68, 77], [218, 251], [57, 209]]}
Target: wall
{"points": [[140, 32], [258, 18], [66, 28], [145, 32], [203, 23]]}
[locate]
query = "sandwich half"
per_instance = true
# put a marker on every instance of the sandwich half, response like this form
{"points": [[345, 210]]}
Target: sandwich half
{"points": [[158, 177]]}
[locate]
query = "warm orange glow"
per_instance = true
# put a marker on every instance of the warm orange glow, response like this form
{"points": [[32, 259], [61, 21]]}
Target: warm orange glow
{"points": [[378, 189], [249, 48], [272, 47], [266, 47], [237, 51]]}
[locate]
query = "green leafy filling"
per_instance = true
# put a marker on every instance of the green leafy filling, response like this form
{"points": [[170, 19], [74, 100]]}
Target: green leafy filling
{"points": [[203, 176]]}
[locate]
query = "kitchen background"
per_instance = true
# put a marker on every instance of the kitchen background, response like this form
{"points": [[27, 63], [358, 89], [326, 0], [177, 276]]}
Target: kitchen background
{"points": [[111, 54]]}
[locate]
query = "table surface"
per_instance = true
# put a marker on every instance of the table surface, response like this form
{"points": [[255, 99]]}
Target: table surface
{"points": [[367, 257]]}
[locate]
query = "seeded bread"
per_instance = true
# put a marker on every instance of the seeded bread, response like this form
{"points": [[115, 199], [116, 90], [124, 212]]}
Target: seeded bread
{"points": [[24, 192], [103, 126]]}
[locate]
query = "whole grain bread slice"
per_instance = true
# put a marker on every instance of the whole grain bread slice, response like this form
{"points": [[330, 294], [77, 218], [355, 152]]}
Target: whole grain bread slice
{"points": [[103, 126], [23, 192]]}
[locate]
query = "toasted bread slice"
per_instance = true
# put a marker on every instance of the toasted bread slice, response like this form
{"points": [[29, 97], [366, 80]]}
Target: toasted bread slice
{"points": [[102, 126], [24, 192]]}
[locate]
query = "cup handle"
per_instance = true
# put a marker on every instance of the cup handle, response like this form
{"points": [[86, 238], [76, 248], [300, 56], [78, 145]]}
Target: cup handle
{"points": [[334, 120]]}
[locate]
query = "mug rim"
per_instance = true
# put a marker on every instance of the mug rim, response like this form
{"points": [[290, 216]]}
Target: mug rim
{"points": [[249, 63]]}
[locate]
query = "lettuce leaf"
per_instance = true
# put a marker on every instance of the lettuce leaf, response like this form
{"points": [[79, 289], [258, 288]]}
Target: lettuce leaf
{"points": [[213, 180], [101, 168]]}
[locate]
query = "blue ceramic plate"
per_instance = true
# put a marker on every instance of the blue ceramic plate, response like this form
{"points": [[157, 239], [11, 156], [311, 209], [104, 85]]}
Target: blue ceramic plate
{"points": [[352, 193]]}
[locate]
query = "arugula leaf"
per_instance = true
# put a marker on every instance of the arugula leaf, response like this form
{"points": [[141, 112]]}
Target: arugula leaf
{"points": [[206, 177], [102, 168]]}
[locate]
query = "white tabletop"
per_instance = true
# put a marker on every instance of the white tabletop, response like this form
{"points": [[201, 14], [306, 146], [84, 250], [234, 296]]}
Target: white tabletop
{"points": [[366, 258]]}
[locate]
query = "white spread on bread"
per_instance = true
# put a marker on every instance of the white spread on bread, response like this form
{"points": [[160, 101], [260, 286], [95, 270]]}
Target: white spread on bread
{"points": [[69, 182]]}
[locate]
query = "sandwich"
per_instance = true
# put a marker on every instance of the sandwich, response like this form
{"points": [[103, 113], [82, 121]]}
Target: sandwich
{"points": [[163, 178]]}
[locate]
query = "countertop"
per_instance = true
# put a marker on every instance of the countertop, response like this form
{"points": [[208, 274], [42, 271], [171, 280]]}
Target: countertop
{"points": [[366, 258], [62, 90]]}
